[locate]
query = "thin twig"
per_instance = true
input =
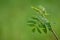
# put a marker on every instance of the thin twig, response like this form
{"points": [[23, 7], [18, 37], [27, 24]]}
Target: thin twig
{"points": [[54, 34]]}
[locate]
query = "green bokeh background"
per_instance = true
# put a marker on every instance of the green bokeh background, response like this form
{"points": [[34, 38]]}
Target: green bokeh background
{"points": [[15, 13]]}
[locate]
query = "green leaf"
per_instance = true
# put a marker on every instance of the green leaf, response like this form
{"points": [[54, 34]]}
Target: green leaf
{"points": [[39, 25], [49, 26], [35, 18], [31, 25], [38, 30], [45, 30], [36, 9], [43, 25], [33, 30], [34, 22]]}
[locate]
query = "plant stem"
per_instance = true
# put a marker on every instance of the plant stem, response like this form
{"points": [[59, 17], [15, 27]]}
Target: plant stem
{"points": [[54, 34]]}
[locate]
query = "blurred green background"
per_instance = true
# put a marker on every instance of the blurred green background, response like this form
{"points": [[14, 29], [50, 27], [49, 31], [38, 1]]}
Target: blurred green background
{"points": [[15, 13]]}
